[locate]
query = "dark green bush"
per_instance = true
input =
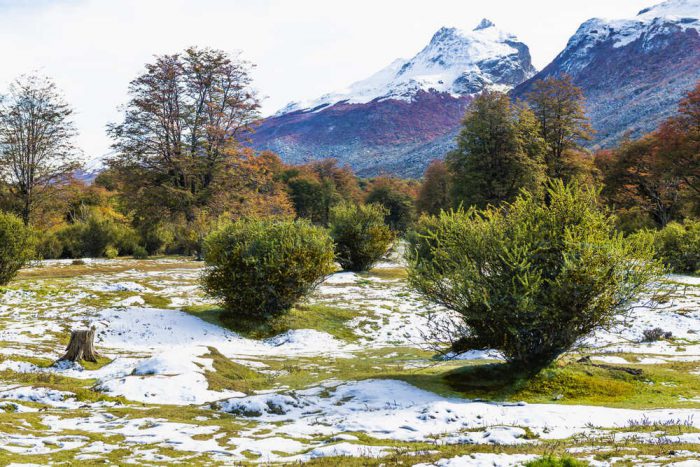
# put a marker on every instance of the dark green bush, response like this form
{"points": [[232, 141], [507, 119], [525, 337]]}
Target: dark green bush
{"points": [[140, 252], [361, 237], [157, 237], [48, 246], [532, 278], [16, 246], [678, 246], [259, 268], [400, 208]]}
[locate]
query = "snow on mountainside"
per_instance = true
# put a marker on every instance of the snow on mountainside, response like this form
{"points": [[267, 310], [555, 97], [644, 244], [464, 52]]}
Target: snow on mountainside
{"points": [[633, 71], [455, 61], [408, 113], [649, 23]]}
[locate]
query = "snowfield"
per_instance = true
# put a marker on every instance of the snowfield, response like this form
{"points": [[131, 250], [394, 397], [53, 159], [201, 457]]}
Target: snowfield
{"points": [[167, 390]]}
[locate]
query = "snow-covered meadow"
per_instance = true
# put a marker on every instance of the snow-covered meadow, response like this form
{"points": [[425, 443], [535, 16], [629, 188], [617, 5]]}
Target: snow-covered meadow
{"points": [[173, 385]]}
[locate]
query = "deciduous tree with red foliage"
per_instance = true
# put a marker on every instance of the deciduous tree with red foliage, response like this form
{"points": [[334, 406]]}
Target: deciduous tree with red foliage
{"points": [[678, 139], [635, 175], [660, 172]]}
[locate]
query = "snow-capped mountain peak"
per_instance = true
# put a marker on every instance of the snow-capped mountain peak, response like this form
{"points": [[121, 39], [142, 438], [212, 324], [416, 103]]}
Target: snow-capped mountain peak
{"points": [[672, 9], [455, 61], [659, 19], [484, 24]]}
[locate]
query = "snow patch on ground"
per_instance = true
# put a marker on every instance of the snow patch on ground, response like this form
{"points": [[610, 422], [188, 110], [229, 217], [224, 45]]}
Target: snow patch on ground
{"points": [[388, 409]]}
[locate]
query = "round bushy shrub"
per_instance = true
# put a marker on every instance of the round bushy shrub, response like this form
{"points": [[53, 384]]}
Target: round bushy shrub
{"points": [[16, 246], [361, 237], [259, 268], [678, 246], [531, 278], [111, 252], [140, 252]]}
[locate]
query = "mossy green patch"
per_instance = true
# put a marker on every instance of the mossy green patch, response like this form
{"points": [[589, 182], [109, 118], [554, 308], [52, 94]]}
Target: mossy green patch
{"points": [[388, 273], [232, 376], [659, 386], [551, 461], [325, 318]]}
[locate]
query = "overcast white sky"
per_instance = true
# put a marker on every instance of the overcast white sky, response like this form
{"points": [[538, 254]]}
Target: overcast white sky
{"points": [[302, 48]]}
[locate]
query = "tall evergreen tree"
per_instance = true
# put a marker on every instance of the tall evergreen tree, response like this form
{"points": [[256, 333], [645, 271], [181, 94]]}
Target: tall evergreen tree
{"points": [[499, 152]]}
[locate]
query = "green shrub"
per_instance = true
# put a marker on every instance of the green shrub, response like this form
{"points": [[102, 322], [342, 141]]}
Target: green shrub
{"points": [[361, 237], [259, 268], [16, 246], [140, 252], [550, 461], [92, 236], [111, 252], [678, 246], [532, 278], [400, 208], [157, 237], [48, 246]]}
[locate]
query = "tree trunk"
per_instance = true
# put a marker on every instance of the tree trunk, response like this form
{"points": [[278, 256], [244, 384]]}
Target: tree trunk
{"points": [[81, 346]]}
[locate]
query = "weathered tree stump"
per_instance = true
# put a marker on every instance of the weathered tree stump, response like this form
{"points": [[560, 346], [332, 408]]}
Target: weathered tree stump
{"points": [[81, 346]]}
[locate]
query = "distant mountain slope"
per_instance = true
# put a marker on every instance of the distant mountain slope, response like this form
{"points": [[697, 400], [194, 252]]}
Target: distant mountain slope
{"points": [[406, 114], [632, 71]]}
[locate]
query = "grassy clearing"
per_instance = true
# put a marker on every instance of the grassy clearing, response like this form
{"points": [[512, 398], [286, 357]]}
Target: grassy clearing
{"points": [[111, 267], [332, 320], [672, 385]]}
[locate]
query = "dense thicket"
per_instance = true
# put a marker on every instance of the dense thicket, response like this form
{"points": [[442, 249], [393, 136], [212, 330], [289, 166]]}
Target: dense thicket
{"points": [[657, 174], [678, 246], [530, 278], [316, 187], [397, 196]]}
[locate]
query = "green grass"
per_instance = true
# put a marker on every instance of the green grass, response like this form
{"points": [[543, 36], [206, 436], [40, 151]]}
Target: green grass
{"points": [[112, 267], [551, 461], [232, 376], [80, 388], [324, 318], [659, 386], [387, 273]]}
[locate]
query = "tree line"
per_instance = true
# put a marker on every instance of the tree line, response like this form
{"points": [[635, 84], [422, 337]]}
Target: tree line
{"points": [[181, 165]]}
